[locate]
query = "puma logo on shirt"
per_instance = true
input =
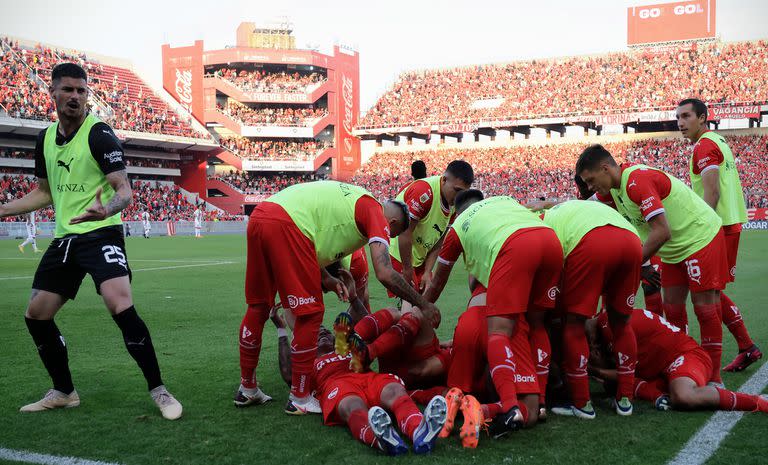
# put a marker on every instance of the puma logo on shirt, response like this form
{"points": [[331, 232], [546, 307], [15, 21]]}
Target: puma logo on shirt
{"points": [[64, 165]]}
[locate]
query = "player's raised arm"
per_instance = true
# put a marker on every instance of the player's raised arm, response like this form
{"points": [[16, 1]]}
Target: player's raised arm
{"points": [[394, 281]]}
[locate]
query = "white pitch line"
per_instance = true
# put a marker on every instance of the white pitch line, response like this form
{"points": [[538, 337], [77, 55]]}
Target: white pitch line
{"points": [[14, 455], [10, 278], [208, 260], [706, 441]]}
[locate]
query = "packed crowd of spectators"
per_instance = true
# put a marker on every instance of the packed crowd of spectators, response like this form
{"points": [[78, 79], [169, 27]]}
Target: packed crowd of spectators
{"points": [[17, 153], [269, 81], [15, 186], [274, 149], [251, 116], [247, 182], [644, 79], [151, 162], [532, 172], [129, 106]]}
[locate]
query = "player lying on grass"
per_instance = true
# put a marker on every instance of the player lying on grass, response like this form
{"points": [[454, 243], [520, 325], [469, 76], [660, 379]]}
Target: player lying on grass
{"points": [[359, 400], [672, 369]]}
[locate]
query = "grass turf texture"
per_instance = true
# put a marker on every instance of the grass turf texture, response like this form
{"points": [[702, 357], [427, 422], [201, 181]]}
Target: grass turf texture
{"points": [[194, 316]]}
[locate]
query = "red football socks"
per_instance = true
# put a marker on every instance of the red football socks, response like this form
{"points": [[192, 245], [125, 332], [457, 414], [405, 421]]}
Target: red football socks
{"points": [[575, 358], [397, 336], [358, 426], [677, 315], [541, 354], [711, 335], [423, 396], [501, 363], [653, 303], [303, 352], [372, 326], [250, 343], [734, 322], [739, 401], [625, 346], [407, 414]]}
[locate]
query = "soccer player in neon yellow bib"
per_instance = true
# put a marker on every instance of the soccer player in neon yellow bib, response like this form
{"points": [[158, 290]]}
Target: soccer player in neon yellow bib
{"points": [[518, 260], [292, 237], [714, 178], [79, 163], [680, 227]]}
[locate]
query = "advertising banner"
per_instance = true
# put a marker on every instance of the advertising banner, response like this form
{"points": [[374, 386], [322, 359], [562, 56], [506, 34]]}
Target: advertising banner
{"points": [[667, 22]]}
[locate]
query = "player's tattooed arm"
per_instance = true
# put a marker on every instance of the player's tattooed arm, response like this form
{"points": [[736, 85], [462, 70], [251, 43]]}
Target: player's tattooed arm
{"points": [[123, 195], [394, 281]]}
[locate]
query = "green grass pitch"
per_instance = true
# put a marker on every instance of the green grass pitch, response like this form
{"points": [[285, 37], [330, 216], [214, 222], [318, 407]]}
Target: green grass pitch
{"points": [[194, 313]]}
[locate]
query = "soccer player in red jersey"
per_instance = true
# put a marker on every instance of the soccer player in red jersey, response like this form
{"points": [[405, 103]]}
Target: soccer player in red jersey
{"points": [[358, 400], [714, 177], [518, 259], [430, 206], [292, 237], [680, 227], [672, 369]]}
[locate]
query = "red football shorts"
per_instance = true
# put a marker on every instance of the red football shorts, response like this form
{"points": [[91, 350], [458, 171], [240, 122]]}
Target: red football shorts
{"points": [[469, 367], [526, 272], [695, 364], [367, 386], [418, 272], [281, 259], [705, 270], [732, 236], [605, 262]]}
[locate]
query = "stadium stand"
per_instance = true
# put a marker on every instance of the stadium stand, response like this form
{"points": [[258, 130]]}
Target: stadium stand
{"points": [[270, 81], [274, 149], [266, 116], [247, 182], [645, 79], [528, 172], [119, 95]]}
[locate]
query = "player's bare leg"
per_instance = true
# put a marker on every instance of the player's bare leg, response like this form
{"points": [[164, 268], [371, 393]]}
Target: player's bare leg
{"points": [[116, 293]]}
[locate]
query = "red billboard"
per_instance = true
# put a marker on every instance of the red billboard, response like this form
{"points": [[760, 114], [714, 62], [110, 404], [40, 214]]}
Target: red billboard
{"points": [[667, 22]]}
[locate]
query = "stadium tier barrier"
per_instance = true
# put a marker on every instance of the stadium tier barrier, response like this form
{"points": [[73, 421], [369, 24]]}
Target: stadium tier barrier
{"points": [[18, 230]]}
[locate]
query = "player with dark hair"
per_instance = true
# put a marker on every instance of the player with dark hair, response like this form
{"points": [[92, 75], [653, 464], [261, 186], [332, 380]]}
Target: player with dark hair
{"points": [[430, 206], [672, 369], [418, 170], [292, 237], [714, 178], [517, 259], [680, 227], [80, 170]]}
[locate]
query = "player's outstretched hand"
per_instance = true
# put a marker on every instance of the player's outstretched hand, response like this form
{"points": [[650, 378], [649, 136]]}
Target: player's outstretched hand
{"points": [[426, 279], [95, 212], [649, 273], [349, 282], [332, 284]]}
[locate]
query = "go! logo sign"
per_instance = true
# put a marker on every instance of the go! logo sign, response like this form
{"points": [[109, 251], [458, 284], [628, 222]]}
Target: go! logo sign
{"points": [[679, 10]]}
